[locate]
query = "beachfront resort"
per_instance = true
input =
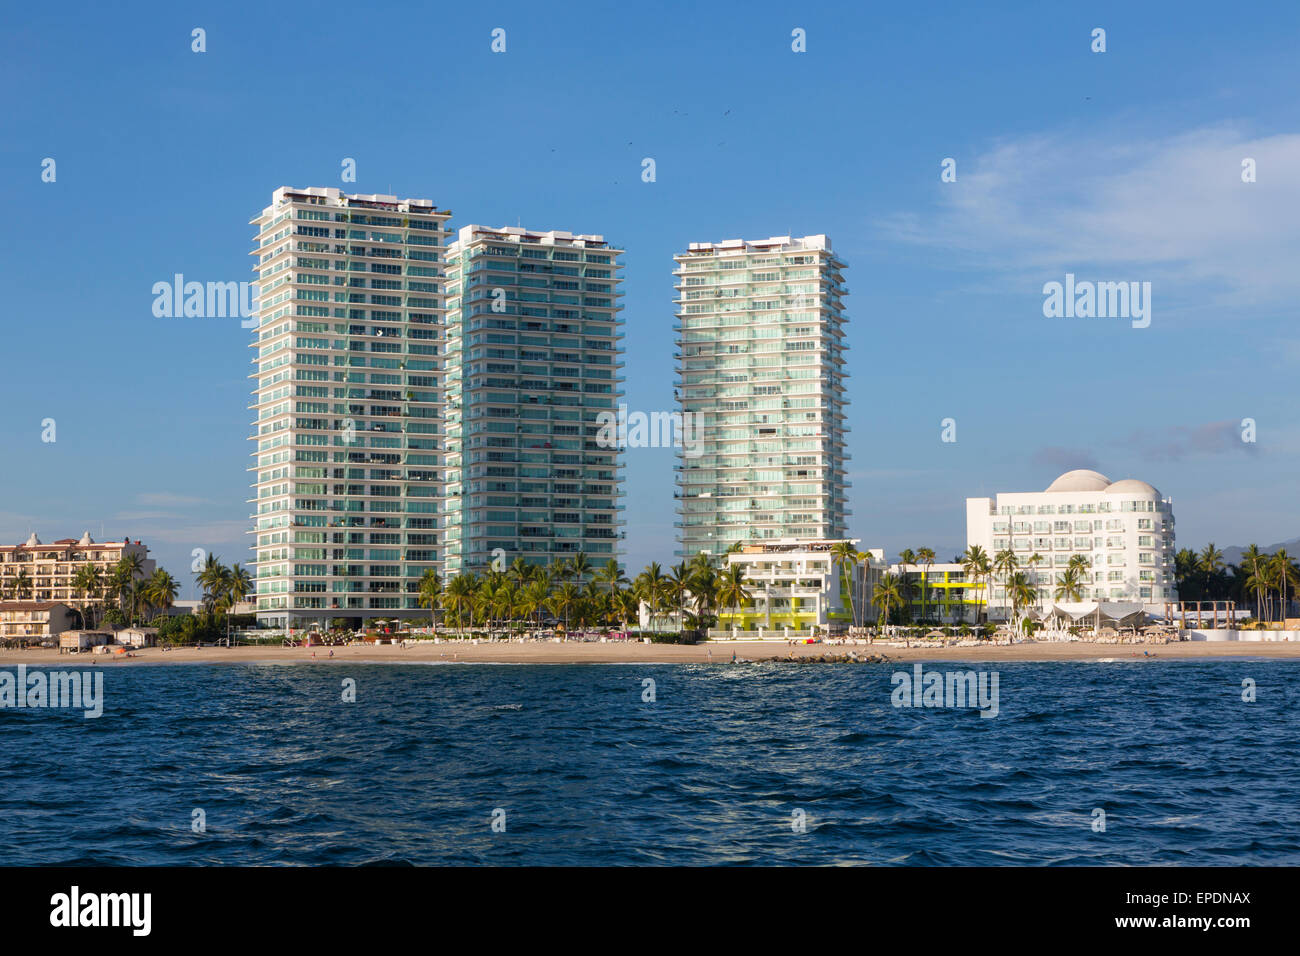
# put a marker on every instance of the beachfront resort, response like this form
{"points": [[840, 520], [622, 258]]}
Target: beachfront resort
{"points": [[429, 453]]}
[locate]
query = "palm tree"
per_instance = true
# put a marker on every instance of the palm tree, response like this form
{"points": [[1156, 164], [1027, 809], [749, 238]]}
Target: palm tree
{"points": [[612, 576], [1284, 573], [521, 571], [87, 582], [975, 564], [1023, 594], [119, 582], [625, 605], [886, 595], [581, 567], [651, 587], [137, 598], [926, 557], [907, 558], [22, 584], [563, 601], [561, 570], [480, 604], [458, 597], [430, 591], [704, 588], [676, 587], [504, 599], [160, 590], [1006, 563], [592, 605], [701, 562], [1211, 559], [844, 557], [238, 584], [533, 598], [1252, 560], [1068, 585], [732, 592]]}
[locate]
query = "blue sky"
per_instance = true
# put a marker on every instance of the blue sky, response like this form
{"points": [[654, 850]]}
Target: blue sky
{"points": [[1123, 165]]}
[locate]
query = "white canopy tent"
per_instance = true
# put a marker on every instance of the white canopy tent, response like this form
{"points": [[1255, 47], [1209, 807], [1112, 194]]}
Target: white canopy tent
{"points": [[1096, 613]]}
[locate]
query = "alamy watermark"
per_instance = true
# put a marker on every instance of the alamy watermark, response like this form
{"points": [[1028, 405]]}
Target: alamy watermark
{"points": [[79, 690], [205, 300], [946, 689], [128, 910], [1101, 300], [623, 429]]}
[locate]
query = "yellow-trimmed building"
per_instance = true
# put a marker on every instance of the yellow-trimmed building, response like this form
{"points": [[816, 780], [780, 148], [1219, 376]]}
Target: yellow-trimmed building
{"points": [[941, 592], [800, 585]]}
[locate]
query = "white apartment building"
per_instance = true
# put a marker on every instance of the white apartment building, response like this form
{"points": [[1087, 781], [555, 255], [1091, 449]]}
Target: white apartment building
{"points": [[760, 366], [533, 358], [798, 584], [1124, 528], [348, 404]]}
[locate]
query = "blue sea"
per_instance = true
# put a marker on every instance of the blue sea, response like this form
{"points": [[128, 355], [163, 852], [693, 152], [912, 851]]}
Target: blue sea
{"points": [[746, 764]]}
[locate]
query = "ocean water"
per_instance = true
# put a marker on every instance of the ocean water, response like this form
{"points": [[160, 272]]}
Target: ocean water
{"points": [[716, 770]]}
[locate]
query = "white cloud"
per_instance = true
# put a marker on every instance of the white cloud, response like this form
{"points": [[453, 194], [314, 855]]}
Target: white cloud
{"points": [[1172, 210], [164, 499]]}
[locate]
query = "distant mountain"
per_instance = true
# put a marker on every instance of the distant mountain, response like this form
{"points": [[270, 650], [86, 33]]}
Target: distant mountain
{"points": [[1233, 555]]}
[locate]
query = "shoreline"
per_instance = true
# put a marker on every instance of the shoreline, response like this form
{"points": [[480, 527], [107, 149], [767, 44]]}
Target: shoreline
{"points": [[636, 653]]}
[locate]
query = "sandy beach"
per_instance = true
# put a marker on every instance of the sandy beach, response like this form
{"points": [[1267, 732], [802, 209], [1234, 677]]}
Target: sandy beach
{"points": [[635, 653]]}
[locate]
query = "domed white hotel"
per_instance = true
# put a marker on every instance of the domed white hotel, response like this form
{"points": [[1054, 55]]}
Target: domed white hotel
{"points": [[1125, 528]]}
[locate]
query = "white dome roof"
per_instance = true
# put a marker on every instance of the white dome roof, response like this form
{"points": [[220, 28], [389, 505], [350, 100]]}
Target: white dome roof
{"points": [[1131, 486], [1081, 479]]}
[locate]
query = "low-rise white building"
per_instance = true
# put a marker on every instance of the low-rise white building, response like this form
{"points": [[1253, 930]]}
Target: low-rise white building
{"points": [[137, 636], [1124, 529], [799, 584], [75, 641]]}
